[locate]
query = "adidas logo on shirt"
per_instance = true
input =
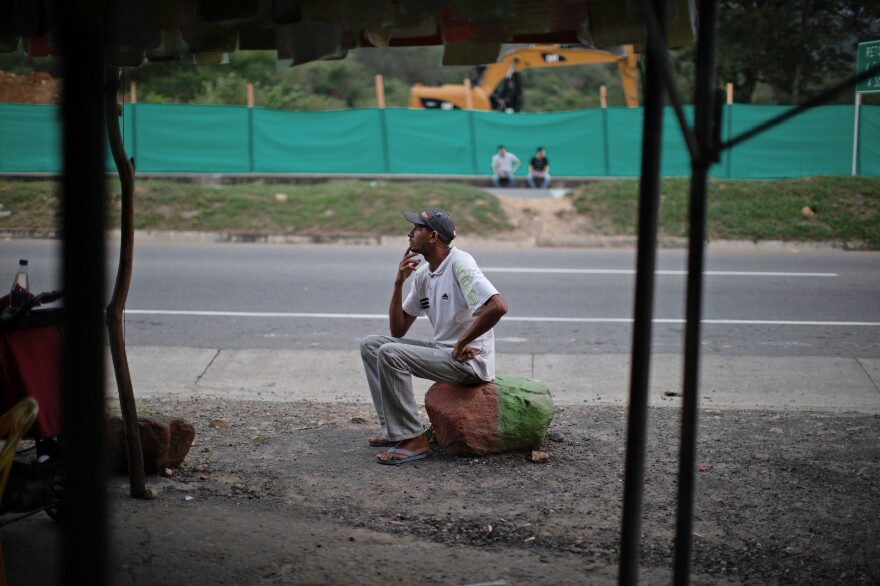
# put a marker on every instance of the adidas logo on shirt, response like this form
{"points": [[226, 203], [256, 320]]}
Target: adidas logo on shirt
{"points": [[445, 297]]}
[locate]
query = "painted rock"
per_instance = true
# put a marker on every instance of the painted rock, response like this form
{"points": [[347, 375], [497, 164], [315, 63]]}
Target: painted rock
{"points": [[509, 414], [165, 442]]}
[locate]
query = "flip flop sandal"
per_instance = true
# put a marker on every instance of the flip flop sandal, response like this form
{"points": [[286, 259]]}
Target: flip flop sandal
{"points": [[410, 456]]}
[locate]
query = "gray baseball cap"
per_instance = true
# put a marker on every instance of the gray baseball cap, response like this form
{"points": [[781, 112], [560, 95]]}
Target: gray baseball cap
{"points": [[436, 220]]}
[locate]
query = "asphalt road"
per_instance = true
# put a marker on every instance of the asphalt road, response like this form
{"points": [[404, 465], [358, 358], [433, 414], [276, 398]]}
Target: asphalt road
{"points": [[571, 301]]}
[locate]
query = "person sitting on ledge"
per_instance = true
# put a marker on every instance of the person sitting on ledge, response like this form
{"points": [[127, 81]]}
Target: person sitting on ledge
{"points": [[539, 169], [504, 166]]}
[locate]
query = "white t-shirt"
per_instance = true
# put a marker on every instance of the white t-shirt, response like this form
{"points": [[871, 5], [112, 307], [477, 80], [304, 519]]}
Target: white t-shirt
{"points": [[451, 297], [504, 163]]}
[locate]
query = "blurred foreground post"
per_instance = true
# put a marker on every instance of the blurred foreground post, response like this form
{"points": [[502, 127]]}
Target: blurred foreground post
{"points": [[84, 199]]}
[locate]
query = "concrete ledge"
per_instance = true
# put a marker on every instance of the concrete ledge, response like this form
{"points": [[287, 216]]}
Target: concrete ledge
{"points": [[528, 192], [311, 178], [465, 242], [811, 383]]}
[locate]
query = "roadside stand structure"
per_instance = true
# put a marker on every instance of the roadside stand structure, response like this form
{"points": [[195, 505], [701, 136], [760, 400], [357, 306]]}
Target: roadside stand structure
{"points": [[98, 37]]}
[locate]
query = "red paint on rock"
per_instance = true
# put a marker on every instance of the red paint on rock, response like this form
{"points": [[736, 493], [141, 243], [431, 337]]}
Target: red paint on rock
{"points": [[464, 418], [165, 442]]}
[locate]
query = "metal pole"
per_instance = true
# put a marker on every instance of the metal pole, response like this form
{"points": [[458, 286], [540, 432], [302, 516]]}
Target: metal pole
{"points": [[704, 131], [606, 148], [250, 128], [728, 112], [855, 158], [649, 197], [132, 133], [83, 208]]}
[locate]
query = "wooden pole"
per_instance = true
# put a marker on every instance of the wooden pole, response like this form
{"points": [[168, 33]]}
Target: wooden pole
{"points": [[133, 92], [380, 91], [729, 94], [603, 96], [468, 95], [114, 316], [250, 95]]}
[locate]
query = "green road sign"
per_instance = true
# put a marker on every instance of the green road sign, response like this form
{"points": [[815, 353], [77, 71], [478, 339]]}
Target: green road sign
{"points": [[869, 56]]}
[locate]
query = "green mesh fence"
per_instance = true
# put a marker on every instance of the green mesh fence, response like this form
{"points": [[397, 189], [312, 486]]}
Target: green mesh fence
{"points": [[167, 138], [344, 141]]}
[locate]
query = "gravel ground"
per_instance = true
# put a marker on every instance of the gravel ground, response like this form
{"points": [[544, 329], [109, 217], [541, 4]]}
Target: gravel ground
{"points": [[288, 493]]}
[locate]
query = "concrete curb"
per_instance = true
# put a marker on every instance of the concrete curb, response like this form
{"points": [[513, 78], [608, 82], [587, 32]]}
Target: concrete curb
{"points": [[808, 383], [475, 242], [586, 241]]}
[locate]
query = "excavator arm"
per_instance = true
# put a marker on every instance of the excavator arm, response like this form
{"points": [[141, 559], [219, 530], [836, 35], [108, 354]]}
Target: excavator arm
{"points": [[543, 56], [629, 77], [494, 74]]}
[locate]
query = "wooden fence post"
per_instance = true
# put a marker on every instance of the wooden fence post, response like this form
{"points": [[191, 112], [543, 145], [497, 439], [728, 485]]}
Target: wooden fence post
{"points": [[380, 91]]}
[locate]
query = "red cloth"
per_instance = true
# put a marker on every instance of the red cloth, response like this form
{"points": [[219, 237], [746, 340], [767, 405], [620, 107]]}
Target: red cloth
{"points": [[30, 366]]}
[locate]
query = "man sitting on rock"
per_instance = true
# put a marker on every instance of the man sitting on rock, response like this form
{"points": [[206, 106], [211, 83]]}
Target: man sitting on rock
{"points": [[462, 306]]}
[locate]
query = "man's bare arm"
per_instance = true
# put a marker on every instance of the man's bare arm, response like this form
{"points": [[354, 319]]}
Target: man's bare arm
{"points": [[399, 320], [493, 310]]}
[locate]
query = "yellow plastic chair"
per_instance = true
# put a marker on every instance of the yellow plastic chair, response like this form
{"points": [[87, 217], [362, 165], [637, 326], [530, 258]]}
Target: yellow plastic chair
{"points": [[13, 425]]}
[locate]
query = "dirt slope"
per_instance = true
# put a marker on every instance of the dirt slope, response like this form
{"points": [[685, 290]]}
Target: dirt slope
{"points": [[36, 88]]}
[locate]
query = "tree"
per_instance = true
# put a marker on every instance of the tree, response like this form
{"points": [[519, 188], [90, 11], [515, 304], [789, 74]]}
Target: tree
{"points": [[346, 82], [409, 64], [793, 46], [226, 89]]}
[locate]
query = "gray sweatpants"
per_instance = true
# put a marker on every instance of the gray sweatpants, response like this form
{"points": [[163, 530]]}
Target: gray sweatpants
{"points": [[390, 364]]}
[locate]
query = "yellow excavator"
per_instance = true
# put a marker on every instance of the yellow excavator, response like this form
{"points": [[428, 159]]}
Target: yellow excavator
{"points": [[497, 86]]}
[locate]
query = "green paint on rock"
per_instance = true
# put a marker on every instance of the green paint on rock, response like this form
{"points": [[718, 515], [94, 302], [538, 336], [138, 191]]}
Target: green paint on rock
{"points": [[525, 410]]}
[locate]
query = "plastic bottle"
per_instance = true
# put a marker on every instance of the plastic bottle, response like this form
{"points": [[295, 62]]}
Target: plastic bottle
{"points": [[19, 294]]}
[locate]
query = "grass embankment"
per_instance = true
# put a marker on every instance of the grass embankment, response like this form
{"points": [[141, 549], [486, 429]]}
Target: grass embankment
{"points": [[343, 207], [839, 209], [812, 209]]}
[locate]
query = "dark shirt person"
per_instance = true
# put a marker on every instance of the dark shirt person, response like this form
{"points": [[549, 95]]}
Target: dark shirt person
{"points": [[539, 170]]}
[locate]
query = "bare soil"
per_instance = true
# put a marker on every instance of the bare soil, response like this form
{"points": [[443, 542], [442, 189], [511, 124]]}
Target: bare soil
{"points": [[36, 88], [544, 219], [290, 493]]}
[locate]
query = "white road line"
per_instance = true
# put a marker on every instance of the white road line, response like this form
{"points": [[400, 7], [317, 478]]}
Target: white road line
{"points": [[632, 272], [612, 320]]}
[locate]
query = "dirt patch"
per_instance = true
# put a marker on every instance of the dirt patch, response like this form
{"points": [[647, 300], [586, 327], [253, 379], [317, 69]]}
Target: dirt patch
{"points": [[549, 219], [36, 88], [780, 497]]}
